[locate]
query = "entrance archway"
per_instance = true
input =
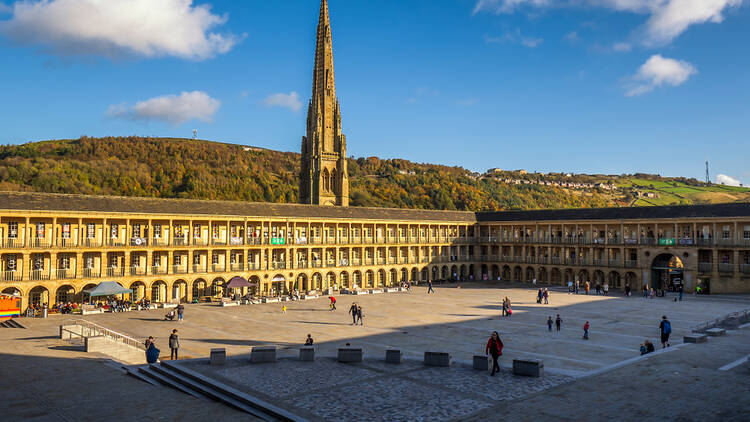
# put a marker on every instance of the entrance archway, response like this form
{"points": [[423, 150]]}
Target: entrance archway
{"points": [[666, 271]]}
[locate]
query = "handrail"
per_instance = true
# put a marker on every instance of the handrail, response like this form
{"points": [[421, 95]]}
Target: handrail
{"points": [[718, 321], [106, 332]]}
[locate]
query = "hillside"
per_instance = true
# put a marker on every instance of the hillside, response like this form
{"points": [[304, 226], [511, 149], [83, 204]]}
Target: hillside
{"points": [[186, 168]]}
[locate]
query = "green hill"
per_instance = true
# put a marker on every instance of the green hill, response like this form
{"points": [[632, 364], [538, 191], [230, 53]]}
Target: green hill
{"points": [[186, 168]]}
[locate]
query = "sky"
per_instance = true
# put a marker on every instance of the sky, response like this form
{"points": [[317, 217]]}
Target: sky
{"points": [[583, 86]]}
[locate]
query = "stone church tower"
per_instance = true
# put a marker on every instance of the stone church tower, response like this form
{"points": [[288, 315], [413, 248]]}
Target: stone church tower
{"points": [[324, 179]]}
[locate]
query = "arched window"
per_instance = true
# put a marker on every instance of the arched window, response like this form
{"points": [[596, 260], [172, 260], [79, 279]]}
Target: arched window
{"points": [[326, 180], [334, 186]]}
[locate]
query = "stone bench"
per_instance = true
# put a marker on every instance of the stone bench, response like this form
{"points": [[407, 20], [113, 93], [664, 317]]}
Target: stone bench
{"points": [[225, 304], [528, 367], [218, 356], [437, 359], [392, 290], [350, 355], [308, 297], [481, 363], [715, 332], [393, 356], [695, 338], [269, 300], [360, 292], [376, 291], [91, 311], [168, 305], [307, 354], [263, 354]]}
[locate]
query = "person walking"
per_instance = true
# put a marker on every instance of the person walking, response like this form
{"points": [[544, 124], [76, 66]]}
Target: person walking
{"points": [[681, 288], [360, 316], [577, 286], [586, 330], [429, 287], [505, 308], [546, 296], [353, 311], [152, 353], [507, 304], [333, 303], [539, 294], [666, 329], [587, 287], [174, 344], [558, 322], [309, 341], [283, 310], [627, 289], [645, 291], [606, 288], [495, 349], [651, 295], [180, 311], [549, 323]]}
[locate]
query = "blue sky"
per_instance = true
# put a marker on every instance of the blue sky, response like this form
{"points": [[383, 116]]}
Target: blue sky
{"points": [[588, 86]]}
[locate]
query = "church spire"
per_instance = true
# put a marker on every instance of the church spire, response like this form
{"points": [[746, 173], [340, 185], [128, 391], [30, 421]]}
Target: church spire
{"points": [[324, 179]]}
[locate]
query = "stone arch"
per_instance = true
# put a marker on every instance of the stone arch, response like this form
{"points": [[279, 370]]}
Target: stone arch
{"points": [[357, 279], [381, 278], [444, 272], [583, 276], [326, 180], [495, 272], [454, 272], [463, 273], [65, 293], [39, 295], [301, 282], [517, 274], [13, 291], [199, 288], [404, 275], [530, 274], [317, 281], [180, 290], [485, 272], [330, 280], [369, 278], [217, 287], [435, 273], [614, 280], [569, 276], [543, 275], [555, 276], [632, 279], [598, 277], [159, 291], [414, 274], [470, 272], [344, 279], [506, 273]]}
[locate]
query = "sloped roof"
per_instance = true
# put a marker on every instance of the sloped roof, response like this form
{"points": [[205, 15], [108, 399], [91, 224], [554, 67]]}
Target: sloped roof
{"points": [[107, 288]]}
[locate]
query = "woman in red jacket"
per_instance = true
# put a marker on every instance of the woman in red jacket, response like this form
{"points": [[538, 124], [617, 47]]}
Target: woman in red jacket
{"points": [[494, 348]]}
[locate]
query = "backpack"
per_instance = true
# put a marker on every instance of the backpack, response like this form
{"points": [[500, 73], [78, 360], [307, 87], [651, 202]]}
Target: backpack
{"points": [[667, 327]]}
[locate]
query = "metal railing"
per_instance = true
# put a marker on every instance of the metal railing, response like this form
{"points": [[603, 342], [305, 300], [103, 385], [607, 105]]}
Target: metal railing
{"points": [[11, 275], [115, 271], [705, 267], [89, 329], [90, 273], [726, 268]]}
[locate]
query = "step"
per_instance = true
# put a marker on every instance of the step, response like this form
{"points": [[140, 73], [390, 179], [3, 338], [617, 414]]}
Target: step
{"points": [[267, 410], [135, 373], [208, 391], [153, 374]]}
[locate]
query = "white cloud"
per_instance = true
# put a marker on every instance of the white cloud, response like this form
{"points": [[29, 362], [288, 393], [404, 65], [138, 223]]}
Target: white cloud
{"points": [[622, 47], [723, 179], [515, 38], [572, 37], [174, 109], [290, 101], [667, 18], [115, 28], [658, 71]]}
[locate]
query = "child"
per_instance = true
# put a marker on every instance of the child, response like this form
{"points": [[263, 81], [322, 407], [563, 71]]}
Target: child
{"points": [[283, 310], [549, 323], [586, 330], [643, 349]]}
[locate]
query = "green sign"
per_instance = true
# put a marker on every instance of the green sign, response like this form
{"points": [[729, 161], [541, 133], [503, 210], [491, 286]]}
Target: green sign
{"points": [[277, 240], [666, 242]]}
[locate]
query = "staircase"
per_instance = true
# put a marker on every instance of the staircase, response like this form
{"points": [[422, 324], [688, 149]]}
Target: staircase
{"points": [[199, 386], [11, 323]]}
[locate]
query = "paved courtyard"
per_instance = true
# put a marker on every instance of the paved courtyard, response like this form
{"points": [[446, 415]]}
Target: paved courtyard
{"points": [[41, 370]]}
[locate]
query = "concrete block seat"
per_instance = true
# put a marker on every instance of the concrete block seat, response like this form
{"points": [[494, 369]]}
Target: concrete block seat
{"points": [[437, 359], [307, 354], [218, 356], [528, 367], [350, 355], [263, 354], [695, 338], [481, 363], [393, 356], [715, 332]]}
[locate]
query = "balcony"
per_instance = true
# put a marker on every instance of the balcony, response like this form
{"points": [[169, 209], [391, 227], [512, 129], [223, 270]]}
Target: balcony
{"points": [[331, 263], [179, 269], [278, 265], [705, 267], [316, 263], [705, 241], [66, 242], [631, 263], [138, 241], [198, 268], [316, 240], [12, 275], [745, 268], [63, 273], [39, 275], [197, 241], [91, 243], [356, 261], [13, 242], [137, 271], [91, 273], [218, 268], [116, 243], [158, 270], [237, 266], [343, 262], [40, 243], [159, 241], [301, 264], [725, 241], [256, 241], [115, 271], [218, 242], [726, 268], [235, 241], [180, 241]]}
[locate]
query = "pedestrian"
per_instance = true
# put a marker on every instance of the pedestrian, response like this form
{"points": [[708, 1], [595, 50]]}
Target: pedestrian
{"points": [[429, 287], [539, 294], [546, 296], [652, 293], [360, 316], [570, 287], [627, 289], [353, 311], [643, 349], [505, 308], [681, 288], [533, 282], [174, 344], [283, 310], [309, 341], [495, 349], [586, 330], [645, 291], [333, 302], [588, 287], [606, 288], [666, 329], [558, 322], [650, 347], [597, 288], [152, 353], [549, 323], [180, 311], [577, 286], [507, 304]]}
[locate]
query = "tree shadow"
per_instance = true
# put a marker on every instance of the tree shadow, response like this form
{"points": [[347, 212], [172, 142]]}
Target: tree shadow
{"points": [[237, 342]]}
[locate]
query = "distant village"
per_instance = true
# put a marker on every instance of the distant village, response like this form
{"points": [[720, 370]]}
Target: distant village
{"points": [[543, 181]]}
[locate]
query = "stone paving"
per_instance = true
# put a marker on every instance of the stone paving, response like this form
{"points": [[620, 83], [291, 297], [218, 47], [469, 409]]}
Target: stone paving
{"points": [[374, 390]]}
